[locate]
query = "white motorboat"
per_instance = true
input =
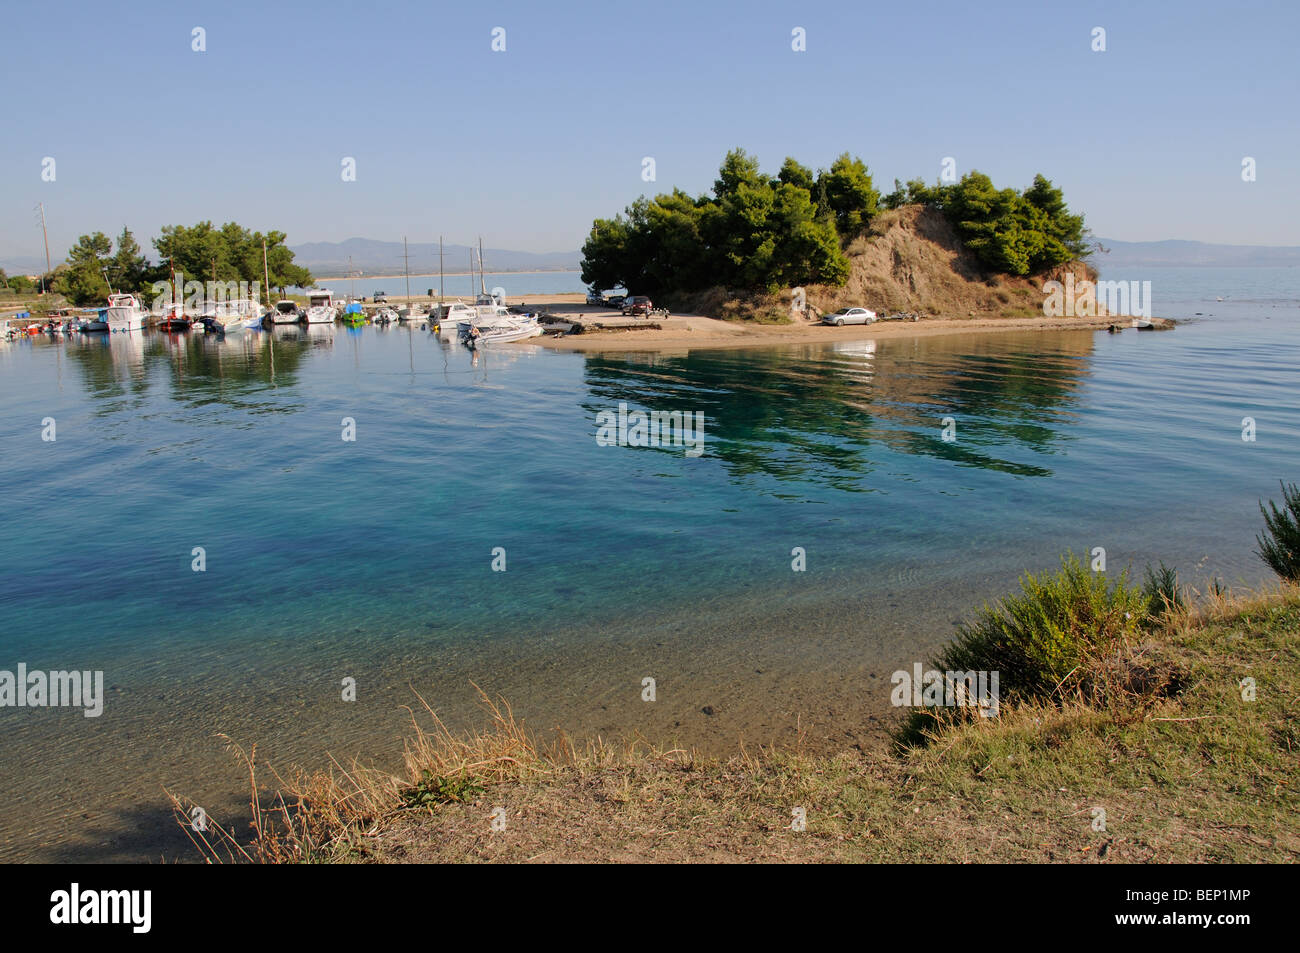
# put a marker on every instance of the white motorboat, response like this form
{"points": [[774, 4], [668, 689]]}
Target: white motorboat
{"points": [[498, 328], [232, 315], [320, 307], [125, 313], [95, 325], [286, 312], [449, 317]]}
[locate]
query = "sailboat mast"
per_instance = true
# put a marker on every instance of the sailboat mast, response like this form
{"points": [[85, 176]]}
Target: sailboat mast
{"points": [[266, 272], [440, 274], [406, 257], [481, 286], [46, 235]]}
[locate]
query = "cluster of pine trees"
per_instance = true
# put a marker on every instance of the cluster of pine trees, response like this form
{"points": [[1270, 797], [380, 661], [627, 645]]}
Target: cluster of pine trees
{"points": [[199, 252], [761, 233], [1010, 232]]}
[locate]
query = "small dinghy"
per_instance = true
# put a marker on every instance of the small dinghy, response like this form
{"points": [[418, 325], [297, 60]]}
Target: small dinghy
{"points": [[95, 325]]}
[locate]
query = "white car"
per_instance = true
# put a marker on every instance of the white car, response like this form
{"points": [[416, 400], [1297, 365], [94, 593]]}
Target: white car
{"points": [[850, 316]]}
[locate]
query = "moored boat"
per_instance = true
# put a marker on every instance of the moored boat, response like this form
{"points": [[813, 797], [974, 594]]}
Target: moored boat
{"points": [[320, 307], [125, 313], [175, 320], [287, 312], [499, 328], [353, 315], [96, 325]]}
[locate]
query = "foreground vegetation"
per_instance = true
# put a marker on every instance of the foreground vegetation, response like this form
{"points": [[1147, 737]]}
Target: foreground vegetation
{"points": [[1137, 724]]}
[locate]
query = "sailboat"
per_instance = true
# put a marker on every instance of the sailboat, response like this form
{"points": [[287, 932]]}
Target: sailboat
{"points": [[175, 318], [407, 311]]}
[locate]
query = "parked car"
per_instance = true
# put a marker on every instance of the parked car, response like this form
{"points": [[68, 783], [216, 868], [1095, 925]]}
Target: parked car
{"points": [[615, 301], [596, 298], [638, 305], [850, 316], [381, 298]]}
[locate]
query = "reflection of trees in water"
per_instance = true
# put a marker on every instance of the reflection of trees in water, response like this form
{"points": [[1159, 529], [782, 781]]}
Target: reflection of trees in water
{"points": [[200, 368], [812, 413]]}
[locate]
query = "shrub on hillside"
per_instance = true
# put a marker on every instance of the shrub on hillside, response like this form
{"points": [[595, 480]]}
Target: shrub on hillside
{"points": [[1162, 592], [1280, 547], [1055, 635]]}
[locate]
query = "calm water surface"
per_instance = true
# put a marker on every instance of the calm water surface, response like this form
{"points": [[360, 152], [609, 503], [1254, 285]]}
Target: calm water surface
{"points": [[372, 559]]}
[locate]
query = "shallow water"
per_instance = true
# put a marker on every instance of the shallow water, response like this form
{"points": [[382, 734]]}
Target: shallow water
{"points": [[372, 559]]}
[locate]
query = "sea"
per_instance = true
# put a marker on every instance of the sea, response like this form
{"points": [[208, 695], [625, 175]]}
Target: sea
{"points": [[301, 538]]}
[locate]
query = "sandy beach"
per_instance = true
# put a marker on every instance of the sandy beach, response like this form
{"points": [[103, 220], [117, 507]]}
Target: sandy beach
{"points": [[697, 331]]}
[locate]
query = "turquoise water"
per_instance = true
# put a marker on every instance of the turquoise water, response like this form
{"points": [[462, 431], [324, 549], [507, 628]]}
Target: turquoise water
{"points": [[372, 558]]}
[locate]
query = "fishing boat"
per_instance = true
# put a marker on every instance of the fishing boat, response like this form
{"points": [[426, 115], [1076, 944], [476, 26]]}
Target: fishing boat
{"points": [[176, 320], [353, 315], [286, 312], [320, 307], [385, 316], [125, 313]]}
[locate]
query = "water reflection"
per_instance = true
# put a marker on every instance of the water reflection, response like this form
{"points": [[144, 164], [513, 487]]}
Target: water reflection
{"points": [[815, 412], [194, 366]]}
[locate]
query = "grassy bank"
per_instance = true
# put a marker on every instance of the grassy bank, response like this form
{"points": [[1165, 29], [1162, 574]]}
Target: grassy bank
{"points": [[1185, 769]]}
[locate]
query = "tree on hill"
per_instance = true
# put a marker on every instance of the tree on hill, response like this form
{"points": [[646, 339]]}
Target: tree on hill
{"points": [[1011, 232], [847, 191], [752, 232], [82, 282], [230, 253], [129, 271], [761, 233]]}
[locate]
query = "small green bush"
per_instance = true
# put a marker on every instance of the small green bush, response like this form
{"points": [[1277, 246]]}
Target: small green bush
{"points": [[1059, 633], [433, 789], [1281, 548], [1162, 592]]}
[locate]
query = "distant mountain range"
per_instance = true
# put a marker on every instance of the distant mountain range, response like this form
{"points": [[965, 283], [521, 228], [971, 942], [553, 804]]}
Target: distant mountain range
{"points": [[1191, 254], [330, 259]]}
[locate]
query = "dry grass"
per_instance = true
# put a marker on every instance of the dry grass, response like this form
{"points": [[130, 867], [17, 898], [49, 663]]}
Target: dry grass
{"points": [[1193, 774]]}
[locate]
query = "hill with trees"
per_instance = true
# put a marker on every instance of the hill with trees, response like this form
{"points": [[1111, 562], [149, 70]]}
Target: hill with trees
{"points": [[737, 251]]}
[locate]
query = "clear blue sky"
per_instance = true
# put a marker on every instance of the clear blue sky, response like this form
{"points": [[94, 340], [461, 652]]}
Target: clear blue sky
{"points": [[527, 146]]}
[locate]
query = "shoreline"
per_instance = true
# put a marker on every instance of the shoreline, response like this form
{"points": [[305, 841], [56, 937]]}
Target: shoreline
{"points": [[696, 332], [445, 274]]}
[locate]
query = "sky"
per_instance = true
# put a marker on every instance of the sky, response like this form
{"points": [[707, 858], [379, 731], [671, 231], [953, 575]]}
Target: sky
{"points": [[526, 146]]}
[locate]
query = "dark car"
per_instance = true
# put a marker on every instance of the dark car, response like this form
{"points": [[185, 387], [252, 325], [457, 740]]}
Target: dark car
{"points": [[638, 305], [615, 301]]}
